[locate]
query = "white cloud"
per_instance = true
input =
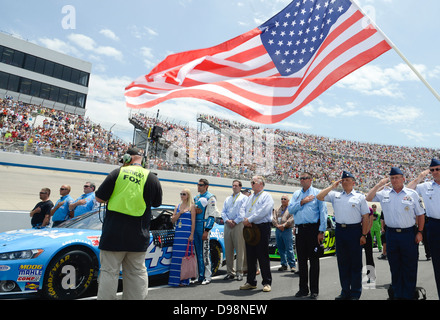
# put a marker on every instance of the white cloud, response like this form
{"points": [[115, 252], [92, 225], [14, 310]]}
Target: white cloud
{"points": [[149, 60], [109, 34], [60, 46], [106, 101], [377, 81], [151, 32], [414, 135], [348, 110], [141, 32], [396, 114], [88, 44]]}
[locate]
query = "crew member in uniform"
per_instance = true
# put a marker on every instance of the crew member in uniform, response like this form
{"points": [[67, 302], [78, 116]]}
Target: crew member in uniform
{"points": [[352, 224], [206, 212], [405, 220], [130, 192], [310, 216], [430, 192]]}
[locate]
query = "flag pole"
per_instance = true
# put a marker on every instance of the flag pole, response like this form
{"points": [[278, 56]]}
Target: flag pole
{"points": [[399, 52]]}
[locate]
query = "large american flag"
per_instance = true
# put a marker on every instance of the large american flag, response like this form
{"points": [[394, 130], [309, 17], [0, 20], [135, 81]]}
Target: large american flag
{"points": [[272, 71]]}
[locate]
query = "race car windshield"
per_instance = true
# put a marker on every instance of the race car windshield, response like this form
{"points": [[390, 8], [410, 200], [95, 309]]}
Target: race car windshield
{"points": [[90, 221]]}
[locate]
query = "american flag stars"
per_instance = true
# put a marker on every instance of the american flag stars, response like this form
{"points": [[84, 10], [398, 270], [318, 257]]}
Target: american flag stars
{"points": [[293, 37]]}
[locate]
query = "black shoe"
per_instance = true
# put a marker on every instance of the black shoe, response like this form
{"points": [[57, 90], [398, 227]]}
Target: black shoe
{"points": [[301, 294], [229, 277], [282, 268], [342, 297], [313, 296]]}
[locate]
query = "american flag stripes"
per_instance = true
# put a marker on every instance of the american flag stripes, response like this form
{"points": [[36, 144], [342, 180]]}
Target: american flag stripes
{"points": [[272, 71]]}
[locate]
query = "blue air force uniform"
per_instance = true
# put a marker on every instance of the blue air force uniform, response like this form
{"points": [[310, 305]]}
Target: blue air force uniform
{"points": [[349, 209], [400, 212], [430, 192]]}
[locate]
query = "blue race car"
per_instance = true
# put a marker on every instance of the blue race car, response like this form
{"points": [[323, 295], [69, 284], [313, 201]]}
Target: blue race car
{"points": [[63, 262]]}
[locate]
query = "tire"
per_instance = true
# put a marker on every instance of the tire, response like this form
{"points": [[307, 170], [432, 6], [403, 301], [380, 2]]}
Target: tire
{"points": [[216, 256], [68, 275]]}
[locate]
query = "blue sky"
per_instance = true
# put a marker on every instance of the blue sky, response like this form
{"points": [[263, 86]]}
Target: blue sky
{"points": [[383, 102]]}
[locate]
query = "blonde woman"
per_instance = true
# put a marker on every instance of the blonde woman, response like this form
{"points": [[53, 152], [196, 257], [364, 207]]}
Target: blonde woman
{"points": [[184, 217]]}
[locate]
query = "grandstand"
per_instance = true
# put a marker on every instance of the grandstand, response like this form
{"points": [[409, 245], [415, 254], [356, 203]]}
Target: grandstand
{"points": [[49, 132]]}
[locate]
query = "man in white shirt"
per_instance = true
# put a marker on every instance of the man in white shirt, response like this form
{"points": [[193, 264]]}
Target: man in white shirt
{"points": [[258, 214], [233, 216]]}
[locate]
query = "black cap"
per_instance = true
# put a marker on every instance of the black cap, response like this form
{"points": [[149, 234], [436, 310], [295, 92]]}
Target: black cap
{"points": [[134, 151]]}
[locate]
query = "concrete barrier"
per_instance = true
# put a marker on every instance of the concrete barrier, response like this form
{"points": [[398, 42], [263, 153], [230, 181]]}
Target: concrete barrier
{"points": [[77, 166]]}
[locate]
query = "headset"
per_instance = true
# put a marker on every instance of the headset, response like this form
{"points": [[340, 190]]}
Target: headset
{"points": [[126, 159]]}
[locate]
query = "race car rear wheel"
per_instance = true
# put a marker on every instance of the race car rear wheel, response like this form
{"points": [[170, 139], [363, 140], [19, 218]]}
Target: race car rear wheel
{"points": [[216, 256], [68, 275]]}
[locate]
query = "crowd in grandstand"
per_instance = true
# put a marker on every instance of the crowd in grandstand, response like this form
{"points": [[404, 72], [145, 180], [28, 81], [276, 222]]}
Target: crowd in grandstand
{"points": [[76, 137], [56, 133]]}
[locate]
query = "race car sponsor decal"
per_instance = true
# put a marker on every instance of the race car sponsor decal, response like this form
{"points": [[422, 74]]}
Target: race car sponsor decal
{"points": [[94, 240], [28, 273], [32, 286], [4, 268], [217, 234]]}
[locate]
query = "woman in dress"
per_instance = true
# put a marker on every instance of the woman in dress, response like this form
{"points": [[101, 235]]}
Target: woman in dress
{"points": [[184, 217]]}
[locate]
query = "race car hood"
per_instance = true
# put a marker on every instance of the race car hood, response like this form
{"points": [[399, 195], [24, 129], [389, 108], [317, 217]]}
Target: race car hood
{"points": [[24, 239]]}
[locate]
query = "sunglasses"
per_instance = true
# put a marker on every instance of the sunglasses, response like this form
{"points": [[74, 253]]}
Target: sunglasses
{"points": [[304, 178], [284, 199], [43, 192], [63, 189], [183, 194], [201, 184], [435, 169], [86, 186]]}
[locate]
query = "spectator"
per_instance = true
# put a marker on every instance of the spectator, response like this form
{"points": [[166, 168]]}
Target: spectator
{"points": [[310, 217], [61, 212], [375, 229], [233, 214], [40, 214], [258, 217], [86, 202], [283, 222], [184, 217]]}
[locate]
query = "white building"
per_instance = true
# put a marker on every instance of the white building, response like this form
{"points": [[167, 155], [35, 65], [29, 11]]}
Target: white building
{"points": [[40, 76]]}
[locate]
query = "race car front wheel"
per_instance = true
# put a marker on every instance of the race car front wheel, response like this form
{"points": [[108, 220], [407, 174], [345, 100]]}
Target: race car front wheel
{"points": [[68, 275]]}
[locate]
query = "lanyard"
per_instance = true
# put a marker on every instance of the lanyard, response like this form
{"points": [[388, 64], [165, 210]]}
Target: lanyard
{"points": [[235, 199], [255, 200]]}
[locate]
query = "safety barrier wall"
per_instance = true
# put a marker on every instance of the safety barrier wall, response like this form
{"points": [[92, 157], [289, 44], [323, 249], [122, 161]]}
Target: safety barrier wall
{"points": [[47, 163]]}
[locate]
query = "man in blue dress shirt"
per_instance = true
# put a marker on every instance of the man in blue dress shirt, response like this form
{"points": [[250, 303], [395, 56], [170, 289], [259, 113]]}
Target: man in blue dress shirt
{"points": [[86, 202], [352, 224], [60, 212], [430, 192], [405, 219], [310, 216]]}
